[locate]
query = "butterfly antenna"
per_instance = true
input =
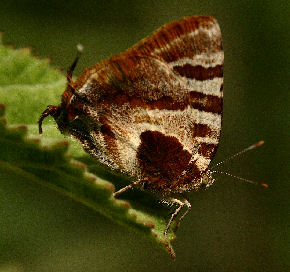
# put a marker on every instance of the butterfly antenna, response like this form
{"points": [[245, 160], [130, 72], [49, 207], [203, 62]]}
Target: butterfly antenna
{"points": [[242, 179], [239, 153], [70, 70]]}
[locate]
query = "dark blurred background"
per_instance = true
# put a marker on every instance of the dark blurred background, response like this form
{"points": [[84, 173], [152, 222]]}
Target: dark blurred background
{"points": [[233, 226]]}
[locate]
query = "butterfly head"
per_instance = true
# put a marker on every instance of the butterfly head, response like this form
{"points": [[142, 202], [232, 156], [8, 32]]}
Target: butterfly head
{"points": [[70, 115], [70, 120]]}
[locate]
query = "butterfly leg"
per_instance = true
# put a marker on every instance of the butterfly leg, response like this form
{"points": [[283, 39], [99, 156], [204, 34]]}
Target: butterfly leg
{"points": [[181, 218], [126, 188], [181, 203]]}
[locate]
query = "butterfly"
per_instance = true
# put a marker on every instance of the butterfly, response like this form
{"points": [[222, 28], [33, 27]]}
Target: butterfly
{"points": [[153, 112]]}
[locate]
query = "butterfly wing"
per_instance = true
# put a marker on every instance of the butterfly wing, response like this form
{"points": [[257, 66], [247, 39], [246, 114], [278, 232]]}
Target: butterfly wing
{"points": [[161, 102]]}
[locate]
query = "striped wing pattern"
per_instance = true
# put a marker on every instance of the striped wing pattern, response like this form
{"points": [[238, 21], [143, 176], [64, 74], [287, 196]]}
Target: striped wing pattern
{"points": [[193, 48], [163, 105]]}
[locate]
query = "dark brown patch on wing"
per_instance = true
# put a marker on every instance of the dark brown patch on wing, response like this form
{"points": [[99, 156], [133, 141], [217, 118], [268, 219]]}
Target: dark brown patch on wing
{"points": [[162, 159]]}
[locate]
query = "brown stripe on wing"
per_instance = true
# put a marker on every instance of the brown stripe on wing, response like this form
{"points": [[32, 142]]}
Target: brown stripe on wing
{"points": [[190, 46], [205, 102], [198, 72], [165, 102], [168, 33], [197, 100]]}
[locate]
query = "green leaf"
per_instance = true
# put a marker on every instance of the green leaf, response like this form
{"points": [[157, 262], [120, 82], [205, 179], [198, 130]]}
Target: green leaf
{"points": [[27, 86]]}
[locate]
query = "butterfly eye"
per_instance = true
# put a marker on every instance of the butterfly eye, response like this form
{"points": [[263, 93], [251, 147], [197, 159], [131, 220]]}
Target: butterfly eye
{"points": [[79, 126], [83, 126]]}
